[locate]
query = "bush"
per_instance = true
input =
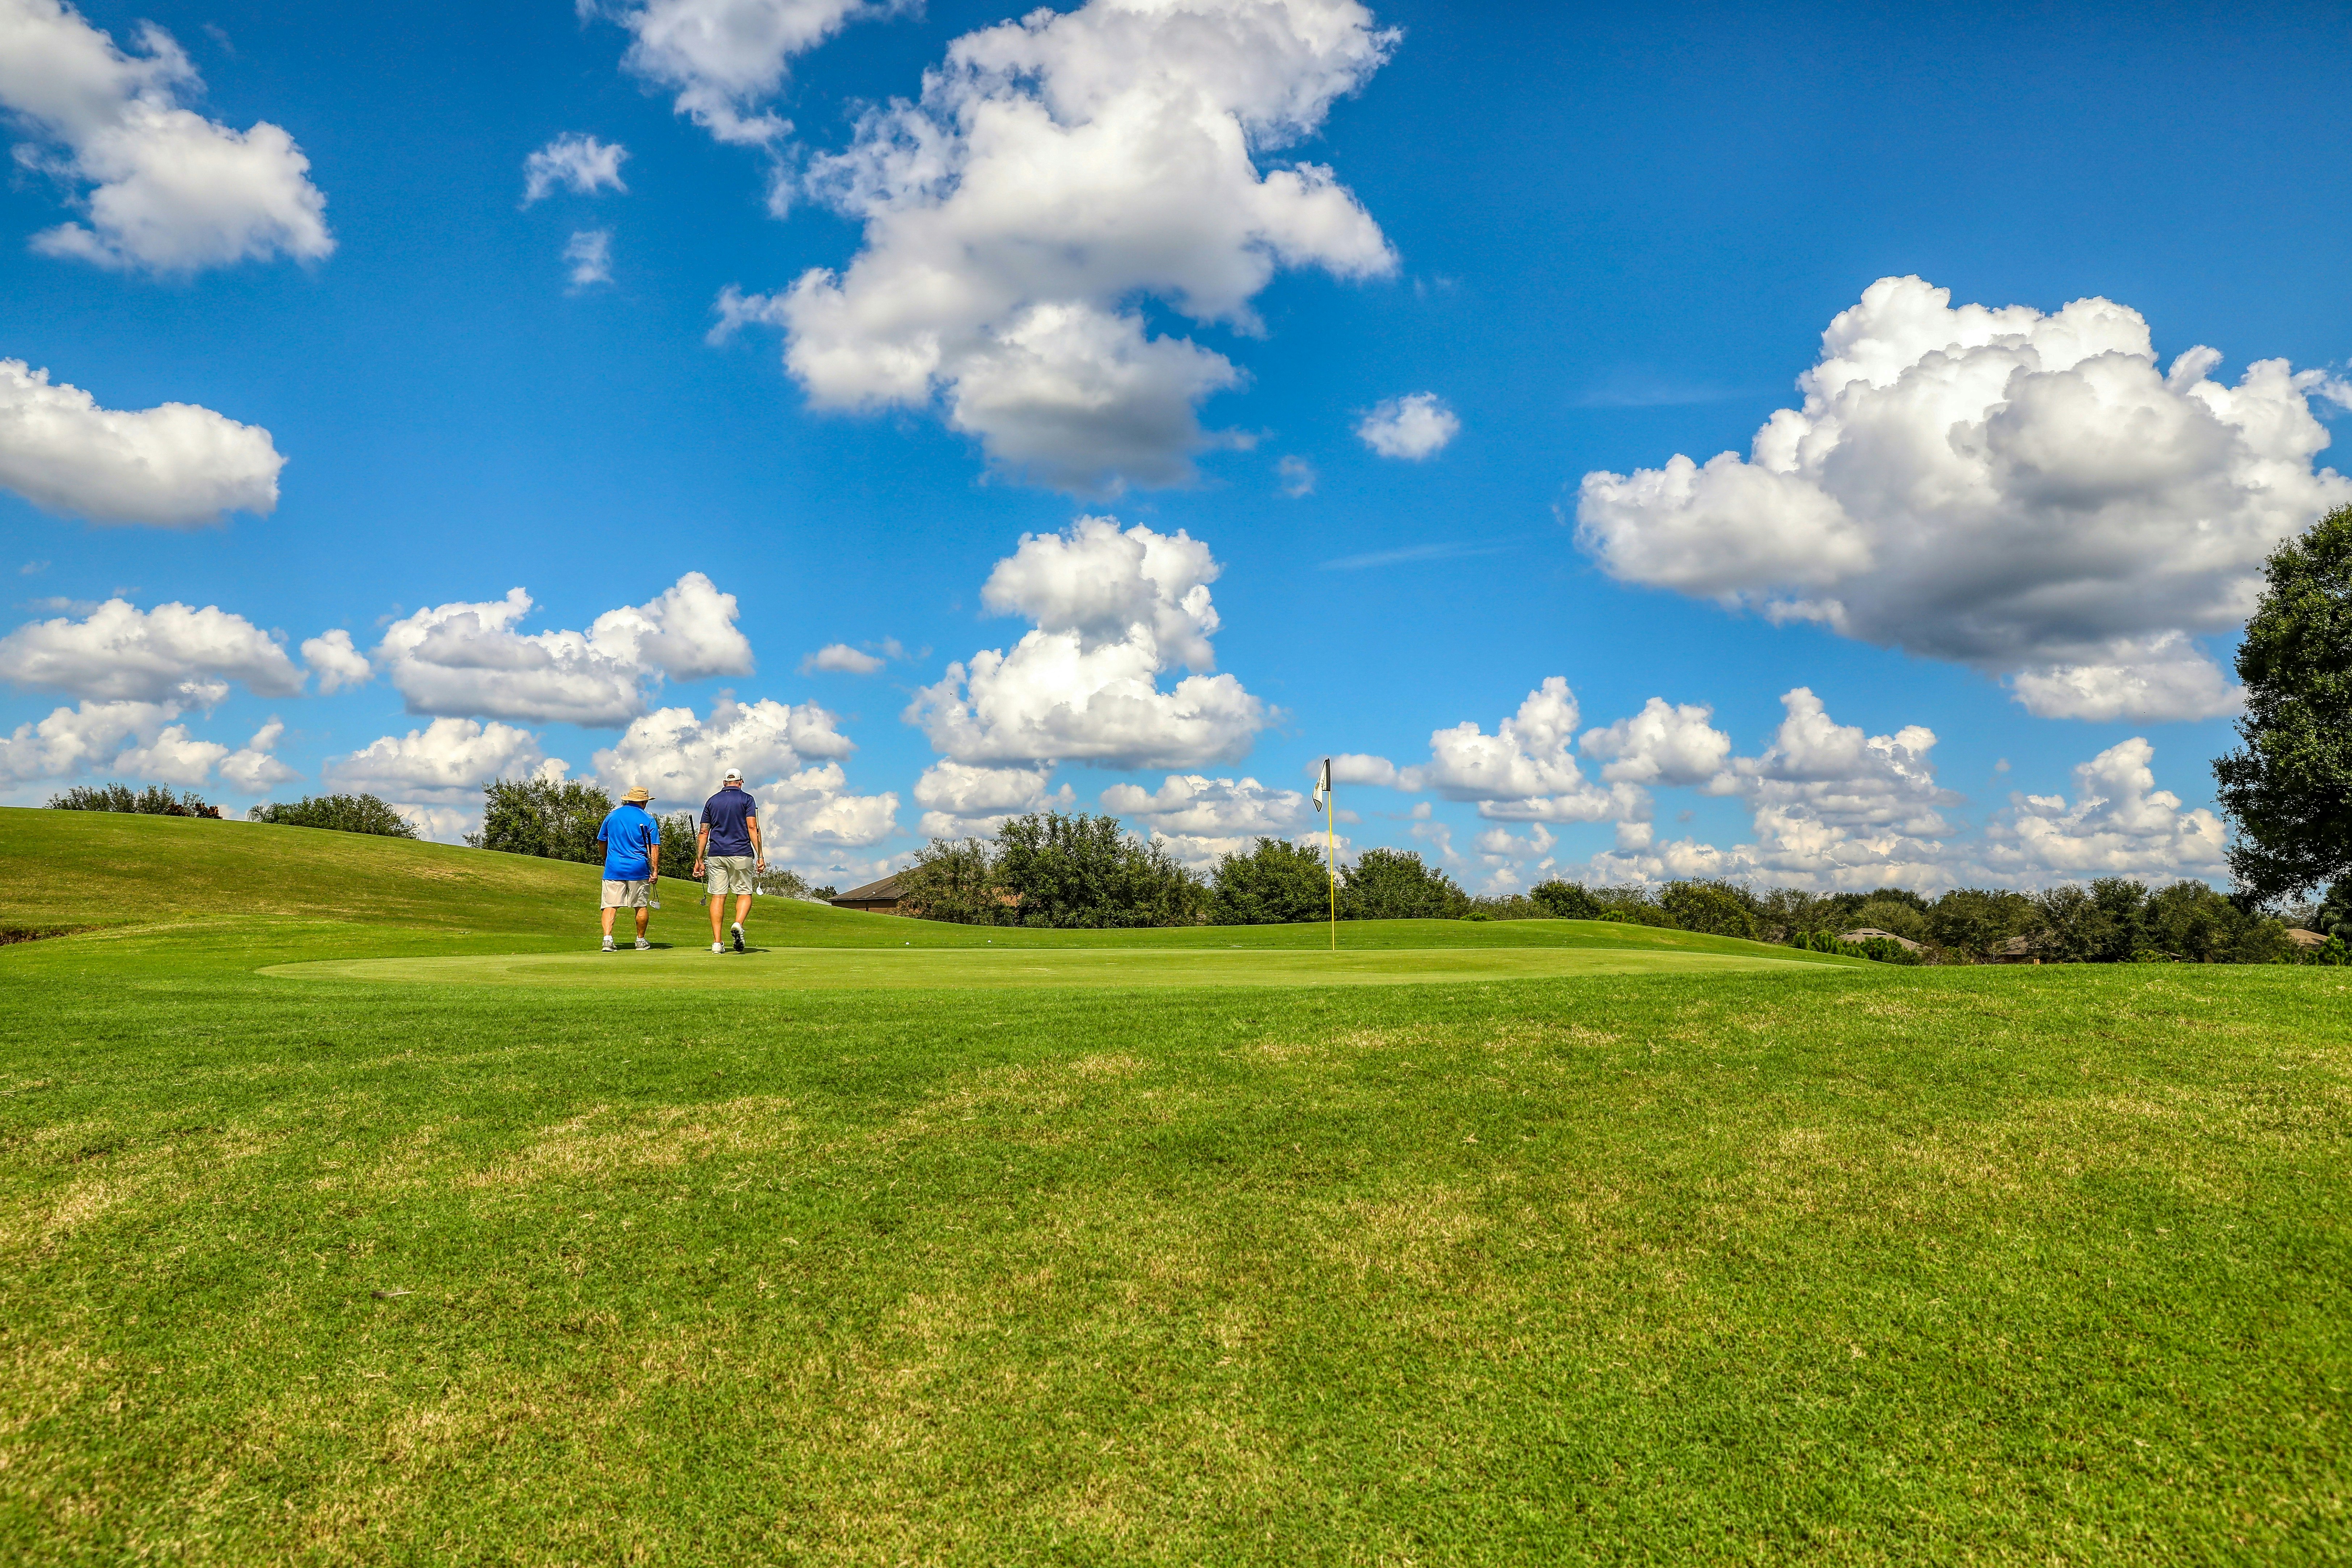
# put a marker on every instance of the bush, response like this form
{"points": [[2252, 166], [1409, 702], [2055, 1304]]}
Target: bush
{"points": [[954, 879], [1393, 885], [1566, 901], [152, 801], [1506, 907], [1718, 909], [543, 817], [1277, 883], [338, 814]]}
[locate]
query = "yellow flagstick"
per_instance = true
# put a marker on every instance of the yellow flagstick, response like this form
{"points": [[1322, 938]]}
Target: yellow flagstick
{"points": [[1331, 859]]}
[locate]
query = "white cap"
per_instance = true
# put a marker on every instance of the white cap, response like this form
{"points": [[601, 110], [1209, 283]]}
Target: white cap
{"points": [[732, 777]]}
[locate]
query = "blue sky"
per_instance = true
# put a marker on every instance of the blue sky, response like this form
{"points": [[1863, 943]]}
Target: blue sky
{"points": [[1591, 241]]}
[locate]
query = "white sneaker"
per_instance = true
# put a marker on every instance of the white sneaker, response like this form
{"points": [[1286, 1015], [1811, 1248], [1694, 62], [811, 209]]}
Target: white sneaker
{"points": [[717, 947], [644, 946], [738, 936], [608, 944]]}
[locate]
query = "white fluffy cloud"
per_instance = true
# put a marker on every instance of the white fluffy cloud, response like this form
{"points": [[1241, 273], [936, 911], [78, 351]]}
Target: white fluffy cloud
{"points": [[960, 800], [468, 658], [589, 254], [1198, 820], [1112, 610], [174, 466], [1525, 770], [840, 658], [1058, 169], [336, 663], [788, 756], [121, 652], [170, 190], [1412, 428], [447, 762], [2120, 824], [1664, 744], [580, 164], [71, 741], [727, 58], [2023, 493], [254, 768]]}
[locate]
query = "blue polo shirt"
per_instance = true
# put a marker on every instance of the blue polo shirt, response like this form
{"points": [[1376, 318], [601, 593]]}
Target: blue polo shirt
{"points": [[626, 836], [728, 816]]}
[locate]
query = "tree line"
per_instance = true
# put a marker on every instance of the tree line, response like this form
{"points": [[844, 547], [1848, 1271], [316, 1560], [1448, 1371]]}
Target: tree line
{"points": [[1080, 870]]}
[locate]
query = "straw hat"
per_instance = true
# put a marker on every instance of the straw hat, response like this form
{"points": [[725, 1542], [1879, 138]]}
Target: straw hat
{"points": [[638, 796]]}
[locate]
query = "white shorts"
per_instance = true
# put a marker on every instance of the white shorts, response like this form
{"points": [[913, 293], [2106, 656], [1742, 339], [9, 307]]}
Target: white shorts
{"points": [[625, 895]]}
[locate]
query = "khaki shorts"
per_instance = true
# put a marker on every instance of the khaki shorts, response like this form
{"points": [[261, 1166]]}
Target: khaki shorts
{"points": [[625, 895], [727, 874]]}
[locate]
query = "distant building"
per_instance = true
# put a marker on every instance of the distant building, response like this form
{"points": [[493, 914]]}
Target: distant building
{"points": [[2016, 950], [882, 898], [1863, 933]]}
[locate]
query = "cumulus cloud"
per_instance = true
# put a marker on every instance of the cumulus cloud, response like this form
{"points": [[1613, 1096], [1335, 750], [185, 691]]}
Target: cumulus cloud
{"points": [[71, 741], [1112, 612], [2024, 493], [174, 466], [1412, 427], [1198, 820], [1297, 476], [169, 190], [580, 164], [789, 756], [447, 762], [588, 253], [1057, 170], [840, 658], [336, 663], [1358, 768], [254, 768], [960, 800], [1664, 744], [727, 58], [468, 658], [121, 652], [2120, 824], [1525, 770]]}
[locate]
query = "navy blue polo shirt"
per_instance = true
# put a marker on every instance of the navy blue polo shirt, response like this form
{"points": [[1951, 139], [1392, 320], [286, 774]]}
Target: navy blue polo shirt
{"points": [[728, 816]]}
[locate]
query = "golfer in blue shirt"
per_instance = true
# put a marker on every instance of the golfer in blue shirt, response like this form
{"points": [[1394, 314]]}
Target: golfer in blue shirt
{"points": [[632, 841], [729, 842]]}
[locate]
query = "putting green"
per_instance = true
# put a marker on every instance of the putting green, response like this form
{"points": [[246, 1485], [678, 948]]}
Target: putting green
{"points": [[845, 968]]}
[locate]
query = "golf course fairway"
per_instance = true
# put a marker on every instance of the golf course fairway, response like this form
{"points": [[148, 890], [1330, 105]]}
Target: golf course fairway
{"points": [[838, 969]]}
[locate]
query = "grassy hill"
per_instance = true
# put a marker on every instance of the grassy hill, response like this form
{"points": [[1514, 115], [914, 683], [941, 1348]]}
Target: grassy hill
{"points": [[1812, 1264]]}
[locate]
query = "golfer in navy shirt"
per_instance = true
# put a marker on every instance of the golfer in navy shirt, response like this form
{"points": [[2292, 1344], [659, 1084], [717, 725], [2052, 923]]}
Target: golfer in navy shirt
{"points": [[728, 841]]}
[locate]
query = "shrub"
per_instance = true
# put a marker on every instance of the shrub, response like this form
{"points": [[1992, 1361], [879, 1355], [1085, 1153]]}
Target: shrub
{"points": [[539, 816], [1277, 883], [152, 801], [1718, 909], [1566, 901], [1076, 869], [337, 813], [1394, 885]]}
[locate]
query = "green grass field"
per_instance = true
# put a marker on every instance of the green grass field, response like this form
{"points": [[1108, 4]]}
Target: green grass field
{"points": [[351, 1209]]}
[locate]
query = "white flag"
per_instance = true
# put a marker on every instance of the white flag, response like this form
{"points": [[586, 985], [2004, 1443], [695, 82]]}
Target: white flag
{"points": [[1323, 784]]}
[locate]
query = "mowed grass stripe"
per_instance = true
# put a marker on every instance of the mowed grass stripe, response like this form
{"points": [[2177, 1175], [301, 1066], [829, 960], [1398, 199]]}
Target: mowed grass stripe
{"points": [[855, 969]]}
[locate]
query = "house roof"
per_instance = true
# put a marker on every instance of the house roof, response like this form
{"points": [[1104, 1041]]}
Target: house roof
{"points": [[1863, 933], [2301, 938], [884, 891]]}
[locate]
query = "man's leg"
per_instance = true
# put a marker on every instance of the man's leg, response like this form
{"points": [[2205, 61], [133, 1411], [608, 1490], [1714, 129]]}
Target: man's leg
{"points": [[643, 914], [608, 919], [718, 902], [742, 908]]}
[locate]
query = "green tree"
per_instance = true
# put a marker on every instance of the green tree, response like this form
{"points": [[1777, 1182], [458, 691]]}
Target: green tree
{"points": [[1393, 885], [2190, 922], [2288, 790], [1718, 909], [1969, 923], [1566, 901], [1277, 883], [539, 816], [2334, 916], [677, 828], [1075, 869], [954, 879], [2097, 924], [337, 813]]}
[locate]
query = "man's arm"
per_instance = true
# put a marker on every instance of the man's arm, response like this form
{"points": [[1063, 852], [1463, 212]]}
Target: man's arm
{"points": [[653, 853], [752, 822], [701, 846]]}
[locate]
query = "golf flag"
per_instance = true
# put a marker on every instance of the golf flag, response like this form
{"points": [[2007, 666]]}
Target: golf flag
{"points": [[1323, 784], [1331, 845]]}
